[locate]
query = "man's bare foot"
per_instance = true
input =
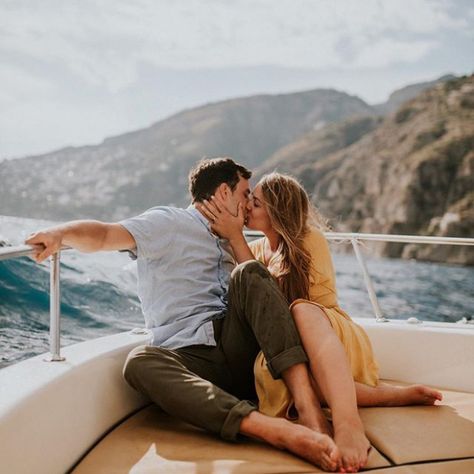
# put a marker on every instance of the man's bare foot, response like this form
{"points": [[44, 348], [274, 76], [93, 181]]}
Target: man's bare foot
{"points": [[317, 448]]}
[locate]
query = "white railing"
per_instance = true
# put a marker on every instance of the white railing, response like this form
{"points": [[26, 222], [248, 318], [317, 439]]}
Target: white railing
{"points": [[353, 238], [355, 241], [408, 239], [54, 295]]}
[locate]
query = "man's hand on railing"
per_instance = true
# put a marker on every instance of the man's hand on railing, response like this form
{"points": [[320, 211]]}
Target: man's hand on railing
{"points": [[47, 242], [82, 235]]}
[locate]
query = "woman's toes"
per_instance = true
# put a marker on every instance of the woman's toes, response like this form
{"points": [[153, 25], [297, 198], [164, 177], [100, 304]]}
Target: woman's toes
{"points": [[363, 461], [350, 464]]}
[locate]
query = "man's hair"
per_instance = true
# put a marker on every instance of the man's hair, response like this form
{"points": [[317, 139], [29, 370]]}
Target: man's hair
{"points": [[210, 173]]}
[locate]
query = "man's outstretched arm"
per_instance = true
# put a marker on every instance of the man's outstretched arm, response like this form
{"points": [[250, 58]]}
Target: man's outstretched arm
{"points": [[84, 235]]}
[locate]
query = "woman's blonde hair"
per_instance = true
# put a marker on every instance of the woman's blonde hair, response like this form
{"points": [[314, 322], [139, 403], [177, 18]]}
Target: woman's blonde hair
{"points": [[291, 215]]}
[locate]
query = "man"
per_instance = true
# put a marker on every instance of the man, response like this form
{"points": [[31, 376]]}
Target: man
{"points": [[207, 324]]}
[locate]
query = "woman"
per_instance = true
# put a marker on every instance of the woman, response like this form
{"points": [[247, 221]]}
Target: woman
{"points": [[344, 372]]}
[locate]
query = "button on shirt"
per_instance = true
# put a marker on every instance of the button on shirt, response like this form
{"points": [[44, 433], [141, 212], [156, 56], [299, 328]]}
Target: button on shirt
{"points": [[183, 275]]}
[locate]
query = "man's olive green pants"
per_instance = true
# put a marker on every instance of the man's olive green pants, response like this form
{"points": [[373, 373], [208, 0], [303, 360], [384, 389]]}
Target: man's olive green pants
{"points": [[210, 387]]}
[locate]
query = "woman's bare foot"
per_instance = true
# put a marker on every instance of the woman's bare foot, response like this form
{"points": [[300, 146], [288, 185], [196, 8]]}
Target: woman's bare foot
{"points": [[315, 420], [422, 395], [414, 395], [353, 446]]}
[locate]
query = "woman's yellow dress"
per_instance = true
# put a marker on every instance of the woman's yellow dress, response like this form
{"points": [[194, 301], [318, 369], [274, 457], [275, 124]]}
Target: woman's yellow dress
{"points": [[274, 398]]}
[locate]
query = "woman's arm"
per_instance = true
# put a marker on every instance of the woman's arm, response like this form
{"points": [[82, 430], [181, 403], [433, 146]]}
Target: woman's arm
{"points": [[241, 249]]}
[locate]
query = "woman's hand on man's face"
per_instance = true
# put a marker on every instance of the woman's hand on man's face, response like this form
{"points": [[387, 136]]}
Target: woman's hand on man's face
{"points": [[223, 222]]}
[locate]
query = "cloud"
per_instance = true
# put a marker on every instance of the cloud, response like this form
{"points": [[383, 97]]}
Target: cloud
{"points": [[385, 52], [104, 42], [76, 71], [19, 86]]}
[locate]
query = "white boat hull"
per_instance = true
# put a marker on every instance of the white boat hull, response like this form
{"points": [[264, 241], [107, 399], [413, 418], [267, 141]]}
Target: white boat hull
{"points": [[51, 414]]}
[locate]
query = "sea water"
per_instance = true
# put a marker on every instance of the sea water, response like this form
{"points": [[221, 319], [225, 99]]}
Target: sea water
{"points": [[98, 293]]}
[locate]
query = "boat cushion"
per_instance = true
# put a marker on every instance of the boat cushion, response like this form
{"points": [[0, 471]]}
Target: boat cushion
{"points": [[153, 442], [422, 433], [464, 466]]}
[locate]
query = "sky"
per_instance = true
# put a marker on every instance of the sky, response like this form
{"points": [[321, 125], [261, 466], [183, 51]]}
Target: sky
{"points": [[74, 72]]}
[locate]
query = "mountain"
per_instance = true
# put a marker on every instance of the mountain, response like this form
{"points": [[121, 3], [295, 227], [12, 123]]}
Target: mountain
{"points": [[410, 172], [317, 144], [325, 140], [129, 173], [398, 97], [413, 174]]}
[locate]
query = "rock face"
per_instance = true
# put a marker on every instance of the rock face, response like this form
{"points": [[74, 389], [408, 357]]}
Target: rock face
{"points": [[398, 97], [132, 172], [413, 174], [313, 146]]}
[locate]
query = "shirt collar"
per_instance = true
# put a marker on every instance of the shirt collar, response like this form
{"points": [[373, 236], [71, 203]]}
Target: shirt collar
{"points": [[192, 210]]}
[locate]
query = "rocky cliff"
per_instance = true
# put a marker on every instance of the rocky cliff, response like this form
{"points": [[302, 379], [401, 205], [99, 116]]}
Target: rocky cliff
{"points": [[315, 145], [398, 97], [413, 174]]}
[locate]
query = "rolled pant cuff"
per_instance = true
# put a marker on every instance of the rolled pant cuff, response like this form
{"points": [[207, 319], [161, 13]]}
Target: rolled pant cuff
{"points": [[231, 427], [284, 360]]}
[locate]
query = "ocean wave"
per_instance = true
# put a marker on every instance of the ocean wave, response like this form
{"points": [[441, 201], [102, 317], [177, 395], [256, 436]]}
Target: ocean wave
{"points": [[98, 293], [98, 296]]}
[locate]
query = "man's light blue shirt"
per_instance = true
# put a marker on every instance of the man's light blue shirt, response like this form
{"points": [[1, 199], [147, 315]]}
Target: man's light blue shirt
{"points": [[183, 275]]}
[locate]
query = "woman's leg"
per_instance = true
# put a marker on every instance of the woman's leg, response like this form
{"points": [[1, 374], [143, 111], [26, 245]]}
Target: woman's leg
{"points": [[300, 384], [330, 368], [384, 395]]}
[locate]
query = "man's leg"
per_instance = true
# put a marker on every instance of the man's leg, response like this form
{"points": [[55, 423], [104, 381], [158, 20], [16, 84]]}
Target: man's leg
{"points": [[187, 383], [259, 317], [178, 381], [163, 375]]}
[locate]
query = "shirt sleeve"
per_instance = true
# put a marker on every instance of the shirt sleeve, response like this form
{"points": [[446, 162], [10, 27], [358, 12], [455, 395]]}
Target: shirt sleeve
{"points": [[153, 231]]}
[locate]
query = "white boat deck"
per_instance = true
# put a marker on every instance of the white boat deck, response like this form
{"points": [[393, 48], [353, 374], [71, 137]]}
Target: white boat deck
{"points": [[404, 439], [79, 415], [60, 410]]}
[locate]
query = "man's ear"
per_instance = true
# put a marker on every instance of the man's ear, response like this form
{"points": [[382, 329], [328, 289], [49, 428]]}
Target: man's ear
{"points": [[223, 191]]}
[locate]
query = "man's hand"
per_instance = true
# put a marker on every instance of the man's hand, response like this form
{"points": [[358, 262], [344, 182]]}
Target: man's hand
{"points": [[48, 242], [85, 236]]}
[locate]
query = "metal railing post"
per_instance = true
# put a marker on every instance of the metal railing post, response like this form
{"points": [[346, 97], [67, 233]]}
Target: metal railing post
{"points": [[379, 317], [54, 311]]}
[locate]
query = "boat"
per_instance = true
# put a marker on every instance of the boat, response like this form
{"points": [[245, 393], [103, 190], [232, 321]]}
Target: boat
{"points": [[72, 411]]}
